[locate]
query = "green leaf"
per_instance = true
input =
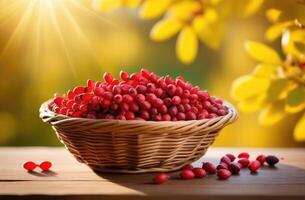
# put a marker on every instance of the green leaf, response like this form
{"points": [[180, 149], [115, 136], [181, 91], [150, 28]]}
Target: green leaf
{"points": [[295, 101]]}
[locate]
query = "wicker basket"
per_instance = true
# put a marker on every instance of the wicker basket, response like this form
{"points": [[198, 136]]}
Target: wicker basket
{"points": [[136, 146]]}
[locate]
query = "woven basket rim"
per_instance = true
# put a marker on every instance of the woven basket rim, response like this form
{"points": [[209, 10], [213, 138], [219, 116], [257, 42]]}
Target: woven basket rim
{"points": [[44, 109]]}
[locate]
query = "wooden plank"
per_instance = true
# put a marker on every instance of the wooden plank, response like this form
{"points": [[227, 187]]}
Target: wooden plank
{"points": [[69, 177]]}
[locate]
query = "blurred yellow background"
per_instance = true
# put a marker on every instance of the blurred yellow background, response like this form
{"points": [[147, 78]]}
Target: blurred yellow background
{"points": [[49, 46]]}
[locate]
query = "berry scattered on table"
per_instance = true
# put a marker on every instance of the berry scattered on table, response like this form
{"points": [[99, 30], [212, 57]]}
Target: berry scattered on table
{"points": [[188, 166], [209, 167], [244, 162], [223, 174], [160, 178], [254, 165], [29, 165], [139, 96], [234, 167], [45, 165], [272, 160], [224, 169], [187, 174], [199, 172], [243, 155], [261, 158]]}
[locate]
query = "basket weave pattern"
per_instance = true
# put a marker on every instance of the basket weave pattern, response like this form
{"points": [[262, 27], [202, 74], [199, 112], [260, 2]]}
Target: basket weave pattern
{"points": [[136, 146]]}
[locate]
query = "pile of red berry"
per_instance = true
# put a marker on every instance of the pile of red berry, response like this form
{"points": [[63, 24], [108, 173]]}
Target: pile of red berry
{"points": [[224, 169], [139, 96]]}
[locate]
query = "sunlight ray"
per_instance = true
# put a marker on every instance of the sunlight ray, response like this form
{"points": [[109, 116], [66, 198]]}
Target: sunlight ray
{"points": [[21, 25], [62, 40], [92, 13], [79, 31]]}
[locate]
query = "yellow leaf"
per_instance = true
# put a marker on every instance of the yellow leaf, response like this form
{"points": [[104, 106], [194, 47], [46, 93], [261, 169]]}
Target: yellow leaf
{"points": [[264, 70], [187, 45], [295, 101], [272, 114], [276, 30], [299, 130], [289, 41], [249, 86], [277, 90], [252, 6], [262, 52], [154, 8], [208, 32], [252, 104], [165, 29], [210, 15], [273, 14], [132, 3], [185, 10], [106, 5]]}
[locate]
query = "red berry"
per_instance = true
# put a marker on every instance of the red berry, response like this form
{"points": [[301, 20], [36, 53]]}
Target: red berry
{"points": [[79, 90], [151, 87], [222, 165], [226, 160], [243, 155], [199, 172], [223, 174], [209, 167], [145, 105], [254, 166], [99, 91], [187, 174], [187, 166], [70, 94], [109, 116], [145, 73], [107, 77], [176, 100], [166, 117], [118, 98], [58, 100], [134, 107], [145, 115], [261, 158], [129, 115], [180, 116], [231, 156], [171, 89], [234, 167], [140, 98], [45, 165], [244, 162], [272, 160], [158, 92], [127, 98], [121, 117], [90, 83], [123, 75], [173, 111], [190, 116], [141, 89], [29, 165], [108, 95], [160, 178], [162, 109]]}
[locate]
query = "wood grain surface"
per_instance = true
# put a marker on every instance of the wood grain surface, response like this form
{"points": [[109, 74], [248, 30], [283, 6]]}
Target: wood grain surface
{"points": [[72, 180]]}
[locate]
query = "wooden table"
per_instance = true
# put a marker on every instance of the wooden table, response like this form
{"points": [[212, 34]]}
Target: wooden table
{"points": [[70, 179]]}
